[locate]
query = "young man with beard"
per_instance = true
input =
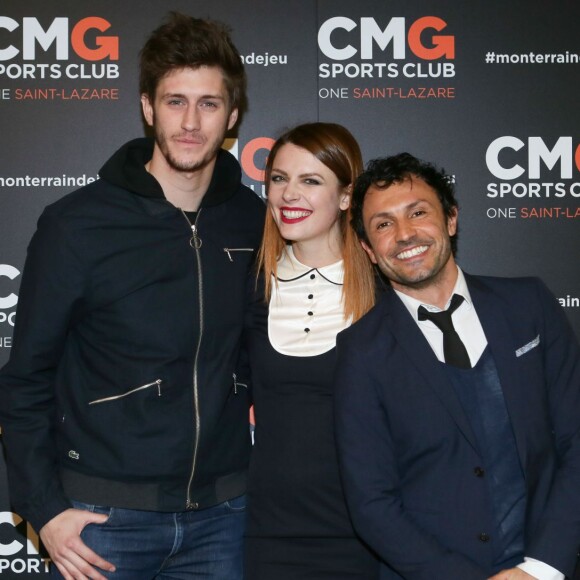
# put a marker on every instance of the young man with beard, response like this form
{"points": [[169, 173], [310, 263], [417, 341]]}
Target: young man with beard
{"points": [[458, 430], [124, 415]]}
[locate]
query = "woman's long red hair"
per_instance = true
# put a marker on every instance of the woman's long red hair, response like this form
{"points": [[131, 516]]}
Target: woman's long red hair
{"points": [[335, 147]]}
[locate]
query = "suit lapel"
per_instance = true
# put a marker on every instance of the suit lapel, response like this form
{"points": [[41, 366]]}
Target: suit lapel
{"points": [[408, 335], [494, 320]]}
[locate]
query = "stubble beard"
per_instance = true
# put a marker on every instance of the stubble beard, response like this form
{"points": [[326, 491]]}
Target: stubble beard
{"points": [[423, 278], [185, 166]]}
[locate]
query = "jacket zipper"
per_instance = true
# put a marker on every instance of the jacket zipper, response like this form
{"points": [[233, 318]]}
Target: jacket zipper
{"points": [[236, 384], [195, 242], [228, 250], [141, 388]]}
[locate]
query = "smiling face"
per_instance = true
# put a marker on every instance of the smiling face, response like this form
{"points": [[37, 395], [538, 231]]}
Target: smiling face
{"points": [[409, 236], [306, 199], [190, 117]]}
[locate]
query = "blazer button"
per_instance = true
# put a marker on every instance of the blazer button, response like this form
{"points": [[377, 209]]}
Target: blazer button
{"points": [[479, 471], [483, 537]]}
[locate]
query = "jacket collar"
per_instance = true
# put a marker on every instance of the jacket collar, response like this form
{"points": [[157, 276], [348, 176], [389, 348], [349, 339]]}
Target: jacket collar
{"points": [[126, 169]]}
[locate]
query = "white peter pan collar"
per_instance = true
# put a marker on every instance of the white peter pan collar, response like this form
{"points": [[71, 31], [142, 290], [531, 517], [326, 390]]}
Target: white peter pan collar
{"points": [[306, 310], [290, 269]]}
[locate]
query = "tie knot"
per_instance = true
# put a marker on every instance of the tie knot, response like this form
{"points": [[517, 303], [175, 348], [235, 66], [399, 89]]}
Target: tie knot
{"points": [[454, 350], [442, 320]]}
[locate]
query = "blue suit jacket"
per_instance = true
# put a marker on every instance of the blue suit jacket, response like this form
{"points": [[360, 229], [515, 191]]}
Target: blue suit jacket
{"points": [[409, 458]]}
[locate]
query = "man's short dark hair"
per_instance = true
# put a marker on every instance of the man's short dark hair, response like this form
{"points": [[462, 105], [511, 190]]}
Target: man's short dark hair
{"points": [[187, 42], [386, 171]]}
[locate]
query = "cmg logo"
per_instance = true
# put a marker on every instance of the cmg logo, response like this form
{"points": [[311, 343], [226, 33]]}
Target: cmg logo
{"points": [[8, 301], [60, 34], [21, 551], [535, 154], [15, 546], [420, 39], [257, 148]]}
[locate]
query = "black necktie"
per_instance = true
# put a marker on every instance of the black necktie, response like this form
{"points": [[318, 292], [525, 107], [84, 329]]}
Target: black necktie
{"points": [[453, 349]]}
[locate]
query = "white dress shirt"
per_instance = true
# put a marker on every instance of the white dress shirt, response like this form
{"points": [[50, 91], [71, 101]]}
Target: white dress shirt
{"points": [[468, 327], [306, 309]]}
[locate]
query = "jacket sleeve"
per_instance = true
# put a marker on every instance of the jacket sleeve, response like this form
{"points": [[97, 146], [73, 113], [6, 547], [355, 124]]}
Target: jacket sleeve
{"points": [[556, 539], [369, 471], [49, 297]]}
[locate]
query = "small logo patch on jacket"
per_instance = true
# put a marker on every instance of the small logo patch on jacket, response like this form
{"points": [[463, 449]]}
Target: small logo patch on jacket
{"points": [[73, 454]]}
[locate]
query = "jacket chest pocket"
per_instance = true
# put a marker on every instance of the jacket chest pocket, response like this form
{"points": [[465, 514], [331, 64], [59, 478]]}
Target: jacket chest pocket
{"points": [[234, 254]]}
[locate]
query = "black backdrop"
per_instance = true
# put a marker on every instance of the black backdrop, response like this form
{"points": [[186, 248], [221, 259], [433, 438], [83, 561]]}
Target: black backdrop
{"points": [[488, 90]]}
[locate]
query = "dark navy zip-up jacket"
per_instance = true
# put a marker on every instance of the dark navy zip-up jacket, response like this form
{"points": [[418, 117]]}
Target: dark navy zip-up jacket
{"points": [[123, 387]]}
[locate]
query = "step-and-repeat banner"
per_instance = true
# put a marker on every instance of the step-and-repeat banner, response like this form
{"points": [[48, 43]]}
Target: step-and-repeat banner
{"points": [[488, 90]]}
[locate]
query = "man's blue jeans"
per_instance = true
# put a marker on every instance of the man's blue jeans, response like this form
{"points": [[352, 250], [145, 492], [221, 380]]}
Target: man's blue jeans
{"points": [[144, 545]]}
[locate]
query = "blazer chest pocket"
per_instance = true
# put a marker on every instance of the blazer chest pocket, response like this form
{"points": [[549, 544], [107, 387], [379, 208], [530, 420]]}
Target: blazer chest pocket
{"points": [[525, 348]]}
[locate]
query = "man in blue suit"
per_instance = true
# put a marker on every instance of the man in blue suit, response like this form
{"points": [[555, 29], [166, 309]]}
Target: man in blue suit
{"points": [[459, 440]]}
